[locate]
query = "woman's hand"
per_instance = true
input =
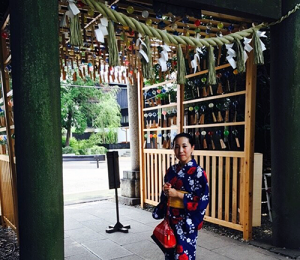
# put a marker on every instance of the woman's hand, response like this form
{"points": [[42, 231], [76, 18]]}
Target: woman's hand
{"points": [[171, 192], [166, 188]]}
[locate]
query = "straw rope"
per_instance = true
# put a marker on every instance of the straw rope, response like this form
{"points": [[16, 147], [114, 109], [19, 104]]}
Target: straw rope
{"points": [[164, 36], [173, 39]]}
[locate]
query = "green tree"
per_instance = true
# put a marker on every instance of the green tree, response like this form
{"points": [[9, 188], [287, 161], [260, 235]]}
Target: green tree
{"points": [[78, 105], [81, 103], [109, 116]]}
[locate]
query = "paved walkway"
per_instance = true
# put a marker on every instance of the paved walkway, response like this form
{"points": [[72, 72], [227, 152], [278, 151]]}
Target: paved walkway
{"points": [[86, 238]]}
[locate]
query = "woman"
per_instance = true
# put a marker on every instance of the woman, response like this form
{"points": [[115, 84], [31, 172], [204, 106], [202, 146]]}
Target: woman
{"points": [[186, 193]]}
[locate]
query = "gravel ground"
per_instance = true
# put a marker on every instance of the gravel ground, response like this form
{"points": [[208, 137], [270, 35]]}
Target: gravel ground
{"points": [[9, 249]]}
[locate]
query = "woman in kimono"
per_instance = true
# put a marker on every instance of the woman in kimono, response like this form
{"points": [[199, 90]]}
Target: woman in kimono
{"points": [[184, 199]]}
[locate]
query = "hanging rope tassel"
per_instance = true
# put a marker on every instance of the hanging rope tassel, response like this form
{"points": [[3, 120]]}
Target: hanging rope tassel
{"points": [[112, 46], [75, 32], [147, 66], [258, 53], [181, 70], [211, 66], [240, 58]]}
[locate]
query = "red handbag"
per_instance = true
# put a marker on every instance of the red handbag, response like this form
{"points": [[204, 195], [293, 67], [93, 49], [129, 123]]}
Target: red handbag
{"points": [[164, 237]]}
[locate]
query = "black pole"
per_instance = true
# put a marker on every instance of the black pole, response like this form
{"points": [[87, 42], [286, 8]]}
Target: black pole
{"points": [[114, 182]]}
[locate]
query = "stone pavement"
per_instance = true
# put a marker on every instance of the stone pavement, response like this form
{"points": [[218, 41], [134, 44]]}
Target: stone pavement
{"points": [[86, 238]]}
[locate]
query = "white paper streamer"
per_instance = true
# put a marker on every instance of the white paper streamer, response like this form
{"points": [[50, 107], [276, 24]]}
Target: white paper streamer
{"points": [[247, 48], [144, 55], [162, 62], [63, 21], [140, 43], [74, 9], [262, 34], [194, 63], [69, 13], [231, 55], [102, 30], [164, 57], [247, 45], [104, 21]]}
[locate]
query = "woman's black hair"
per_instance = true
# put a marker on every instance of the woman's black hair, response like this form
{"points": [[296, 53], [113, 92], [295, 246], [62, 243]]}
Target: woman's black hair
{"points": [[186, 135]]}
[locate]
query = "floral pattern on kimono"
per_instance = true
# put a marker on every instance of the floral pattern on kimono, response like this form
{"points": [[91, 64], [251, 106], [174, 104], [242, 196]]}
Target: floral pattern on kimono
{"points": [[187, 221]]}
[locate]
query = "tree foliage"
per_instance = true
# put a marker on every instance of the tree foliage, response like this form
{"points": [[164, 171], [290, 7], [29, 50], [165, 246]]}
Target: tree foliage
{"points": [[81, 104]]}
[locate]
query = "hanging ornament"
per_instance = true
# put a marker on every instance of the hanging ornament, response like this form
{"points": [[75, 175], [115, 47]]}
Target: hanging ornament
{"points": [[172, 18], [174, 26], [131, 32], [220, 26], [158, 16], [149, 22], [161, 25], [197, 30], [145, 14], [219, 34], [91, 12], [230, 28], [185, 19], [209, 25], [226, 133], [130, 9], [197, 22], [114, 7], [80, 4]]}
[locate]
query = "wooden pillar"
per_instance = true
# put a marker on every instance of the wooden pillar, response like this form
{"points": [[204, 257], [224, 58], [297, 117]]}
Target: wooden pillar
{"points": [[36, 86], [249, 146], [140, 85], [285, 125]]}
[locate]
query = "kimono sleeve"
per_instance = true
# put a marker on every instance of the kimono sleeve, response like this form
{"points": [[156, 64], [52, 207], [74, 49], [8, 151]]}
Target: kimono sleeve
{"points": [[160, 210]]}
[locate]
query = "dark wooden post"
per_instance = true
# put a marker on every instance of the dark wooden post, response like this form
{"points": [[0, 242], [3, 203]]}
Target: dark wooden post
{"points": [[285, 125], [36, 90]]}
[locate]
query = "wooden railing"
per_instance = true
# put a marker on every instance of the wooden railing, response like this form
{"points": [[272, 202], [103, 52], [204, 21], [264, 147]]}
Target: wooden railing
{"points": [[8, 193], [225, 176]]}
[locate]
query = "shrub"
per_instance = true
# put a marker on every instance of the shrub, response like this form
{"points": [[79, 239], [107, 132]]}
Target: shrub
{"points": [[63, 141], [68, 150], [80, 152], [96, 138], [73, 142], [98, 150]]}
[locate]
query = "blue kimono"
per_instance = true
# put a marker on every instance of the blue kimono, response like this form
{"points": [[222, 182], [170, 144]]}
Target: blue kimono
{"points": [[187, 221]]}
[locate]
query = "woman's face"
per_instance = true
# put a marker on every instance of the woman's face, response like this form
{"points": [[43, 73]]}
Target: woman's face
{"points": [[183, 150]]}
